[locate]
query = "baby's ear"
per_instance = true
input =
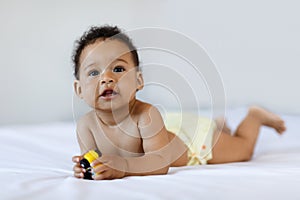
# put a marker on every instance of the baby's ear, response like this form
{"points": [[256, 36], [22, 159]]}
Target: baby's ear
{"points": [[77, 89], [140, 80]]}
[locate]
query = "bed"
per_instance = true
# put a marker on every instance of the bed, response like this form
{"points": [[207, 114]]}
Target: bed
{"points": [[36, 164]]}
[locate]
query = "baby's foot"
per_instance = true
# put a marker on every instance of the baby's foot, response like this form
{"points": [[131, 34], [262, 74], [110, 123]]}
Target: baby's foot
{"points": [[222, 125], [268, 118]]}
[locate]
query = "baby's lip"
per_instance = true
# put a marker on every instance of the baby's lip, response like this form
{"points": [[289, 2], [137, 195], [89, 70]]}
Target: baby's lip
{"points": [[108, 92]]}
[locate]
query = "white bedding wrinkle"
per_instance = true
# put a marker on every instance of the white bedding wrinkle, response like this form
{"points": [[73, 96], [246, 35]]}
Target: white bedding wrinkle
{"points": [[36, 164]]}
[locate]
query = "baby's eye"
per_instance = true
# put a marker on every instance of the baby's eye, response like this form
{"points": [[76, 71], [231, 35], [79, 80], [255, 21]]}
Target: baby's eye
{"points": [[94, 73], [119, 69]]}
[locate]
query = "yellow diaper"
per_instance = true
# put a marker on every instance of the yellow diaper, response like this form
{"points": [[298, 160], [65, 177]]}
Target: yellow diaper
{"points": [[196, 132]]}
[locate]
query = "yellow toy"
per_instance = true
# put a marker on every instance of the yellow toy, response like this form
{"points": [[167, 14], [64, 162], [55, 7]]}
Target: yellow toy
{"points": [[85, 163]]}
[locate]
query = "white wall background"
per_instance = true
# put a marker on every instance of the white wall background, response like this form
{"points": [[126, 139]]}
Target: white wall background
{"points": [[255, 45]]}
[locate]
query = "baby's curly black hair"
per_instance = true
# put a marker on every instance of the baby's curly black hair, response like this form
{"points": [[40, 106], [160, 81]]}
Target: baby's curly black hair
{"points": [[96, 32]]}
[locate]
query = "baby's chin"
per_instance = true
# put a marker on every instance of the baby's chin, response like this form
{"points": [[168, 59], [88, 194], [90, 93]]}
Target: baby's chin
{"points": [[111, 106], [119, 103]]}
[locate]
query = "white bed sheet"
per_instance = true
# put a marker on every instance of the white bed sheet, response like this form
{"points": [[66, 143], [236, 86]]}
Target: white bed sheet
{"points": [[36, 164]]}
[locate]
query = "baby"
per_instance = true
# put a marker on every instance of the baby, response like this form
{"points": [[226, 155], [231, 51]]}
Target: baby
{"points": [[131, 134]]}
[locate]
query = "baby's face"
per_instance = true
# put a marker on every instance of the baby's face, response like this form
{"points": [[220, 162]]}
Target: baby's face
{"points": [[108, 78]]}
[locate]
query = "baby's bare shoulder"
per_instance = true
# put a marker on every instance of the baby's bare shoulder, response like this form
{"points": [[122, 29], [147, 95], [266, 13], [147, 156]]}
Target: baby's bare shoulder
{"points": [[145, 112], [86, 121], [142, 108]]}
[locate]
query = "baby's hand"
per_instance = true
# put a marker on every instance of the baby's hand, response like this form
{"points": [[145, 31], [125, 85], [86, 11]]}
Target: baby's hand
{"points": [[109, 167], [78, 170]]}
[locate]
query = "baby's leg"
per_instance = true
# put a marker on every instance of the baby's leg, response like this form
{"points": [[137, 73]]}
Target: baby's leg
{"points": [[240, 146]]}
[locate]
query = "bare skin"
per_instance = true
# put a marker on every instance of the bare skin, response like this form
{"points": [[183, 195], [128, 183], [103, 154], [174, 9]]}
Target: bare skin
{"points": [[130, 133], [240, 145], [237, 146], [222, 125]]}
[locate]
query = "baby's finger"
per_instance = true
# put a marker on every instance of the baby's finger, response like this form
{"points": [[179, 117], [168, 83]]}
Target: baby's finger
{"points": [[76, 159], [78, 175], [96, 162], [104, 175], [101, 160], [100, 168], [78, 169]]}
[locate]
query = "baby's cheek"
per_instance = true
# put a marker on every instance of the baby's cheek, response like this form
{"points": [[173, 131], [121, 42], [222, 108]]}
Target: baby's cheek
{"points": [[128, 90], [91, 89], [90, 94]]}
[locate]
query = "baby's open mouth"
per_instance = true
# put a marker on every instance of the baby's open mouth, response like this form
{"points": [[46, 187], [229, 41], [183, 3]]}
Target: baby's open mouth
{"points": [[108, 93]]}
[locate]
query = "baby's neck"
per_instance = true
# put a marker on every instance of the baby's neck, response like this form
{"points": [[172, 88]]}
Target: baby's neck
{"points": [[115, 117]]}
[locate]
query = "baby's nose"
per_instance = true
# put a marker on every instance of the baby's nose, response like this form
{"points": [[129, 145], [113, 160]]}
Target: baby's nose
{"points": [[107, 77], [106, 80]]}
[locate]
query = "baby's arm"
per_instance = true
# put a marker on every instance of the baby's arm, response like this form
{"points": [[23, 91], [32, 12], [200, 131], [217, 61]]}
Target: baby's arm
{"points": [[86, 142], [157, 157], [85, 137]]}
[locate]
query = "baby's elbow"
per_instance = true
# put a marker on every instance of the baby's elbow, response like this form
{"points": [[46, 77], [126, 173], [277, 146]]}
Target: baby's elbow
{"points": [[161, 170], [164, 170]]}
